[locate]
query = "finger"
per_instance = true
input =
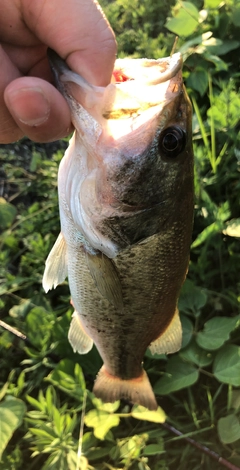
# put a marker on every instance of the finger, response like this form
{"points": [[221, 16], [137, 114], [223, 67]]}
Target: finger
{"points": [[78, 31], [38, 109], [9, 132]]}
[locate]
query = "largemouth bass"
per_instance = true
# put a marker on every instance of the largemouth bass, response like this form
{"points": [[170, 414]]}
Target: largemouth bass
{"points": [[126, 207]]}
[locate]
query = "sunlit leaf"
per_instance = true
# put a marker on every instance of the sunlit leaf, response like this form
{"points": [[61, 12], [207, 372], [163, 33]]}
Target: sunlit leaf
{"points": [[207, 233], [140, 412], [216, 331], [101, 421], [229, 429], [12, 411], [109, 407], [226, 366], [185, 20], [233, 228], [212, 3]]}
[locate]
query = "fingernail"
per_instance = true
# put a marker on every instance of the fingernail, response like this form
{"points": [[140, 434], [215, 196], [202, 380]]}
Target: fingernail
{"points": [[29, 105]]}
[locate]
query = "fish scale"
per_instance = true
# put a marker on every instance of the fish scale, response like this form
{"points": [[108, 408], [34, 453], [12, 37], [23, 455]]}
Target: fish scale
{"points": [[126, 208]]}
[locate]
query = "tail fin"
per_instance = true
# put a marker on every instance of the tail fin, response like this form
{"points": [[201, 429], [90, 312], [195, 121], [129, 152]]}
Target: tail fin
{"points": [[138, 391]]}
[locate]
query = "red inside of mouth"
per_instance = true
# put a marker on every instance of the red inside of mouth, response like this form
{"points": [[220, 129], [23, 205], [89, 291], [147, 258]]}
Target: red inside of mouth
{"points": [[119, 76]]}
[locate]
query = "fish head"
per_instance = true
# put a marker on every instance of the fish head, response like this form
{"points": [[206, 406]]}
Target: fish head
{"points": [[135, 177]]}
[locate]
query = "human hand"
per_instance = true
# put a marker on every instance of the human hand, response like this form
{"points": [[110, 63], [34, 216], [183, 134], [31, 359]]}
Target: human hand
{"points": [[78, 31]]}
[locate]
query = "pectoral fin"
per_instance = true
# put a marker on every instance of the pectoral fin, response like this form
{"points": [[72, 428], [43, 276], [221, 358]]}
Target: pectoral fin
{"points": [[56, 265], [171, 340], [106, 278], [77, 337]]}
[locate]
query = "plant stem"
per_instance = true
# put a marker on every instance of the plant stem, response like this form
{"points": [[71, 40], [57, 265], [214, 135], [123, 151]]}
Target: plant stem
{"points": [[202, 448], [213, 140]]}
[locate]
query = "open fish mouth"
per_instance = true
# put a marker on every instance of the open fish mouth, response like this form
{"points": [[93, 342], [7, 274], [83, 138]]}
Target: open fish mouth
{"points": [[139, 89]]}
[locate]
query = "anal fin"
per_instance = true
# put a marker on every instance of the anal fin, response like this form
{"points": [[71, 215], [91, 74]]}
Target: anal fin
{"points": [[79, 340], [56, 265], [171, 340]]}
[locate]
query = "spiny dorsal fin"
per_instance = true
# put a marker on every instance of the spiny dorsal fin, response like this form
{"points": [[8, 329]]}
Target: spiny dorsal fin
{"points": [[56, 265], [106, 278], [171, 340]]}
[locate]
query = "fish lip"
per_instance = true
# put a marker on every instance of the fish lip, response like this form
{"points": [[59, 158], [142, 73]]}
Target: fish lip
{"points": [[175, 62], [174, 65]]}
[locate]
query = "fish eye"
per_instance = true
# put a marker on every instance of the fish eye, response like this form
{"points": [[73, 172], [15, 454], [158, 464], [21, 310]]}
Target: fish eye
{"points": [[172, 141]]}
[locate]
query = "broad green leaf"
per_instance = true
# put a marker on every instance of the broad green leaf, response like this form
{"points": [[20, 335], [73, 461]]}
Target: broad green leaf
{"points": [[233, 228], [101, 422], [198, 80], [229, 429], [140, 412], [236, 15], [193, 353], [187, 330], [223, 48], [96, 453], [185, 21], [88, 441], [226, 366], [192, 298], [153, 449], [216, 331], [218, 63], [179, 374], [12, 411], [7, 213]]}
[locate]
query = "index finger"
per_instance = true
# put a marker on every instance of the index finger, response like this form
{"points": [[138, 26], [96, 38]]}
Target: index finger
{"points": [[78, 31]]}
